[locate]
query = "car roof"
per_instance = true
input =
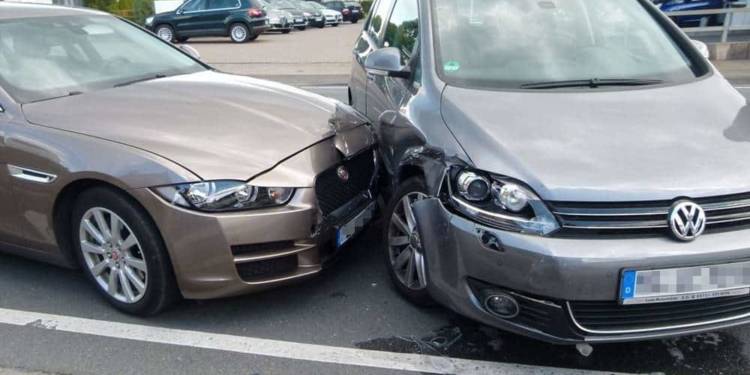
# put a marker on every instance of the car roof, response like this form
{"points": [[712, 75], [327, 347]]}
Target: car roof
{"points": [[19, 10]]}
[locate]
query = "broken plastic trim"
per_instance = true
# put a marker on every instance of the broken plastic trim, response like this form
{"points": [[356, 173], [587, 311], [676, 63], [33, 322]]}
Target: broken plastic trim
{"points": [[346, 118]]}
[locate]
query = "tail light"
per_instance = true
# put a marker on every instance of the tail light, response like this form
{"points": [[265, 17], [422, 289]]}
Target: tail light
{"points": [[345, 11], [253, 12]]}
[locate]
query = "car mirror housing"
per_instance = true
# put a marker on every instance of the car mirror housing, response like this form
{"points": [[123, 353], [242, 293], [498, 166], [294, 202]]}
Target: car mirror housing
{"points": [[190, 51], [702, 48], [387, 62]]}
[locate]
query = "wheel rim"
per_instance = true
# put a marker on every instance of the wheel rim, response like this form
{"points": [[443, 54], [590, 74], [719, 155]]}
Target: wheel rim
{"points": [[113, 255], [405, 246], [165, 33], [239, 33]]}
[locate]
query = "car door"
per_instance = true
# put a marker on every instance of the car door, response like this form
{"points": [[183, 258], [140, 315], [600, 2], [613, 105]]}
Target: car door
{"points": [[401, 31], [187, 21], [213, 19], [368, 41]]}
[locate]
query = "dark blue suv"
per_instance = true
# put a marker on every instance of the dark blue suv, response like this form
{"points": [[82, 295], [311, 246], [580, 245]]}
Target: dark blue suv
{"points": [[241, 20]]}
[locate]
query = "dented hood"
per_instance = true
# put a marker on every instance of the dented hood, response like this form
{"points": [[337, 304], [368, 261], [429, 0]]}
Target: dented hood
{"points": [[216, 125], [656, 143]]}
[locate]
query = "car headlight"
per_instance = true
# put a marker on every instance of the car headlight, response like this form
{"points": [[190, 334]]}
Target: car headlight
{"points": [[149, 20], [224, 196], [307, 14], [500, 202]]}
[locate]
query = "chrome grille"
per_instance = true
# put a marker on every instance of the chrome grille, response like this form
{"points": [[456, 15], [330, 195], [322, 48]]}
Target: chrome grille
{"points": [[722, 213]]}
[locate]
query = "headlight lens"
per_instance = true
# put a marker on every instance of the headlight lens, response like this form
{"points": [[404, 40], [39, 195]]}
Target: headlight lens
{"points": [[149, 20], [500, 202], [224, 196]]}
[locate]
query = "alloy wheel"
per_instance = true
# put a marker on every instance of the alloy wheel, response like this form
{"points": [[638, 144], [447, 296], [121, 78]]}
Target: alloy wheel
{"points": [[113, 255], [239, 33], [405, 246], [165, 33]]}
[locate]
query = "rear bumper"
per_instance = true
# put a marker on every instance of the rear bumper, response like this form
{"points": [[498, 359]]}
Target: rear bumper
{"points": [[549, 277]]}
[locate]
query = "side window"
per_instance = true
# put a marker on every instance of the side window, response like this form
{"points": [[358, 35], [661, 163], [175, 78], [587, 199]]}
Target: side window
{"points": [[402, 31], [377, 23], [194, 6], [223, 4]]}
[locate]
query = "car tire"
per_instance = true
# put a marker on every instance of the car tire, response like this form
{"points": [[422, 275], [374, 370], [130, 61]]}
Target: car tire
{"points": [[335, 25], [286, 31], [404, 257], [239, 33], [165, 33], [355, 20], [253, 37], [322, 25], [182, 40], [301, 28], [129, 266]]}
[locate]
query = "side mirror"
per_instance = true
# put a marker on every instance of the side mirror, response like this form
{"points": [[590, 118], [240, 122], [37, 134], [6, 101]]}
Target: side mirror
{"points": [[702, 48], [190, 51], [387, 62]]}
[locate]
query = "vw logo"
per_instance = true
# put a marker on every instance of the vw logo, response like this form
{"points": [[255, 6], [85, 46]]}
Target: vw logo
{"points": [[343, 173], [687, 220]]}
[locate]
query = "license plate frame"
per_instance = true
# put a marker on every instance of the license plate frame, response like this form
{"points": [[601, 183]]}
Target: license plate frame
{"points": [[355, 225], [702, 278]]}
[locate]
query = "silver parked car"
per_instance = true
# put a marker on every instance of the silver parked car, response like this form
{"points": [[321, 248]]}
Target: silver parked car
{"points": [[571, 170]]}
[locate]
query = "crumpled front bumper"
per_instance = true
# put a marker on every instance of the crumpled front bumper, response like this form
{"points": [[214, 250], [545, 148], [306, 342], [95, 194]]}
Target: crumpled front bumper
{"points": [[547, 274]]}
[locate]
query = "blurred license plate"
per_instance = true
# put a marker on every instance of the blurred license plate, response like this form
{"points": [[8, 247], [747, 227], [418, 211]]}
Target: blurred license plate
{"points": [[345, 232], [684, 284], [299, 20]]}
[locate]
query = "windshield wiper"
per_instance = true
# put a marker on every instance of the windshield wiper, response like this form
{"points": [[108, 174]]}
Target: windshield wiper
{"points": [[144, 79], [70, 93], [592, 83]]}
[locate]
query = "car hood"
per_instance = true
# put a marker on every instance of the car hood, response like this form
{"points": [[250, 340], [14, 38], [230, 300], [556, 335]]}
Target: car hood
{"points": [[689, 140], [218, 126]]}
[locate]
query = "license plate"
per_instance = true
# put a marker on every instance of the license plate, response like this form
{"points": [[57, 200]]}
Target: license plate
{"points": [[319, 19], [684, 284], [298, 20], [347, 231], [355, 11]]}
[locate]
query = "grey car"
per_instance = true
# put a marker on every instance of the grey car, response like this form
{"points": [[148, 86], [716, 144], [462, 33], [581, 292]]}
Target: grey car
{"points": [[571, 170]]}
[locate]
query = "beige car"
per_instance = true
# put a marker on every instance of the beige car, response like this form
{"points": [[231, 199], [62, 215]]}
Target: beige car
{"points": [[160, 177]]}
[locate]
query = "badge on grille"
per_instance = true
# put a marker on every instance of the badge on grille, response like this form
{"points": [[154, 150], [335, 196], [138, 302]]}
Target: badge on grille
{"points": [[343, 173], [687, 220]]}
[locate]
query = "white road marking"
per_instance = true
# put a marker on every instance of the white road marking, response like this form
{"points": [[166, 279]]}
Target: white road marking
{"points": [[271, 348]]}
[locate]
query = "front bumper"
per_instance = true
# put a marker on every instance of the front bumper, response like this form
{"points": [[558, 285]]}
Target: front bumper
{"points": [[554, 279], [219, 255]]}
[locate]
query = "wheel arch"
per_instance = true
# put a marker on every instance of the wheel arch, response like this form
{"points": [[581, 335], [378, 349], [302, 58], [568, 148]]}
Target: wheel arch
{"points": [[63, 208]]}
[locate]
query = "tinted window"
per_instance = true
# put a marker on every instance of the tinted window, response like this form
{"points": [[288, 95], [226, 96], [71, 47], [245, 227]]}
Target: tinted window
{"points": [[402, 31], [378, 18], [194, 5], [508, 43], [223, 4]]}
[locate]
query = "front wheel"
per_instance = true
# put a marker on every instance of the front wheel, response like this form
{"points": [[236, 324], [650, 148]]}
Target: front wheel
{"points": [[286, 31], [355, 20], [404, 254], [335, 25], [121, 252], [239, 33], [301, 28]]}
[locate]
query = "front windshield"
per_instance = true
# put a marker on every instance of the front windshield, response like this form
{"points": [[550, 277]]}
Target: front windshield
{"points": [[315, 5], [49, 57], [283, 5], [512, 43]]}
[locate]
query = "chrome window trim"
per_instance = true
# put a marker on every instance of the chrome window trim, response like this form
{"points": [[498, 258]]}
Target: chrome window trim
{"points": [[652, 329], [239, 5]]}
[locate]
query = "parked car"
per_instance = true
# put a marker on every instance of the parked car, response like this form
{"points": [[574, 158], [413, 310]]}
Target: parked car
{"points": [[698, 20], [353, 11], [332, 17], [593, 188], [314, 15], [240, 20], [107, 164], [299, 21], [279, 20]]}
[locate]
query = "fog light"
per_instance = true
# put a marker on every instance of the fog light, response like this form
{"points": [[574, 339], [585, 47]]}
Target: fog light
{"points": [[502, 305]]}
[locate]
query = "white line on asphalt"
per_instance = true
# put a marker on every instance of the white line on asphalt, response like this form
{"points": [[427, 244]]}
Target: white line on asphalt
{"points": [[270, 348]]}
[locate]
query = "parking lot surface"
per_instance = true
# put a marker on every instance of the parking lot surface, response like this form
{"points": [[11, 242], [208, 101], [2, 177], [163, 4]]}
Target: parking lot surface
{"points": [[349, 320]]}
